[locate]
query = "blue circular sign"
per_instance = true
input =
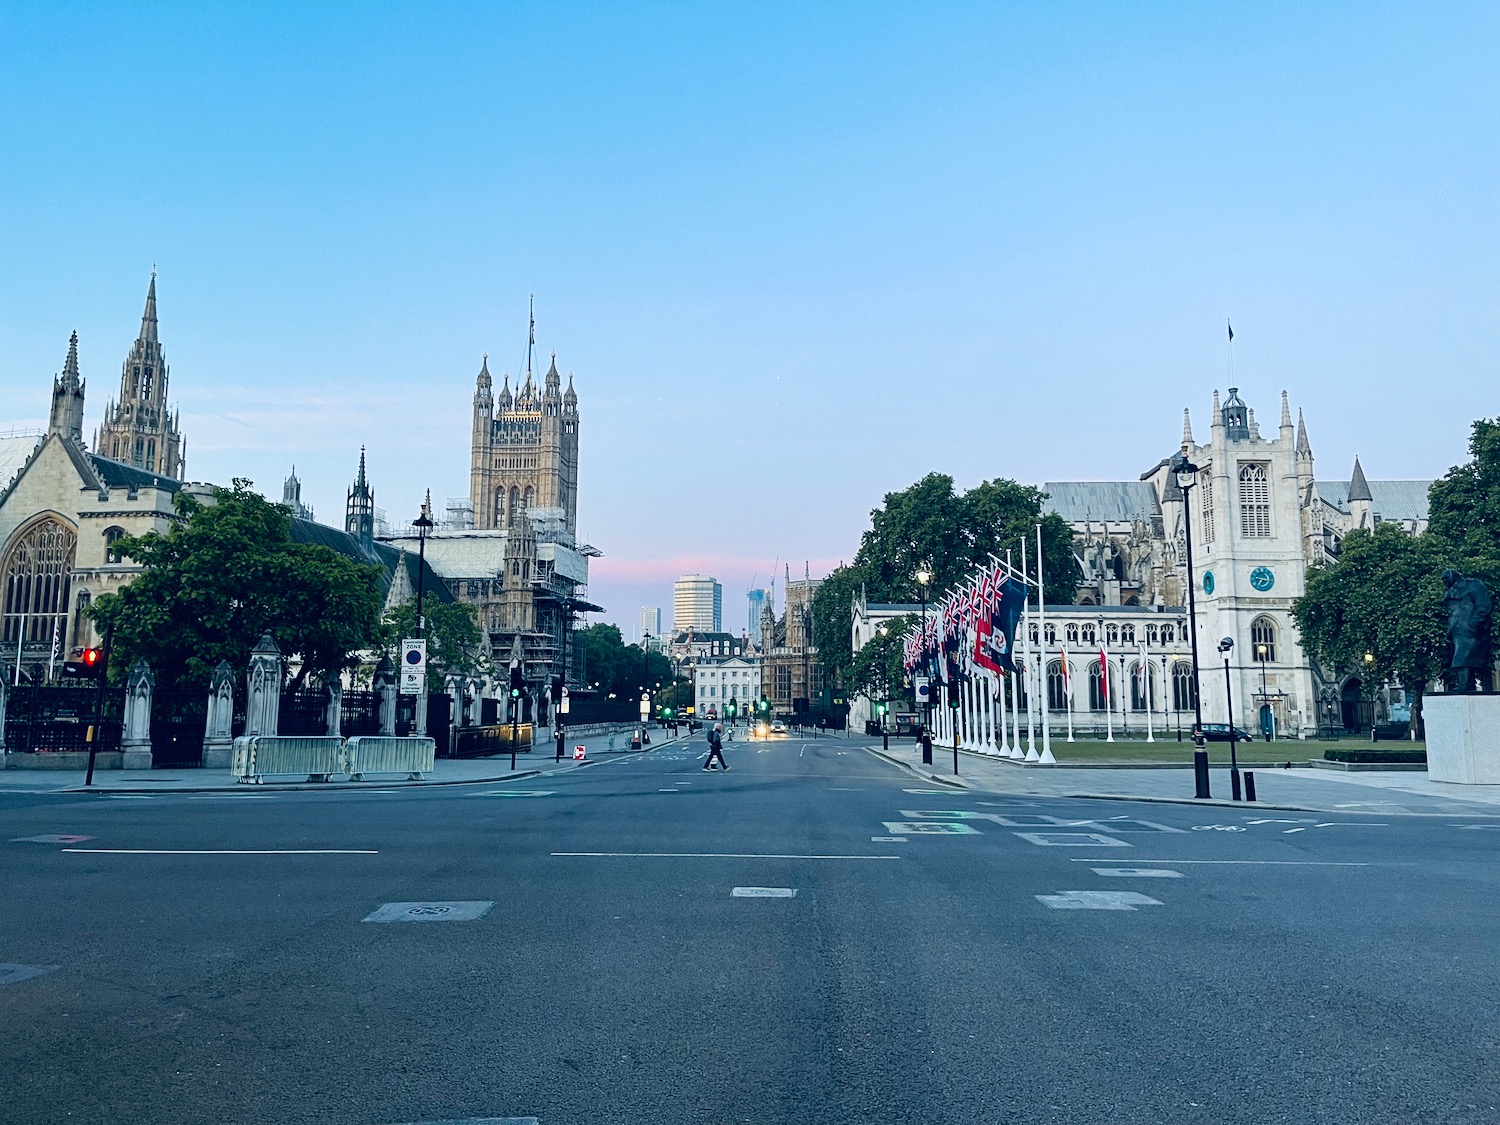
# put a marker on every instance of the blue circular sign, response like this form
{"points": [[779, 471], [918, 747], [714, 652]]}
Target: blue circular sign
{"points": [[413, 656], [1208, 582], [1262, 578]]}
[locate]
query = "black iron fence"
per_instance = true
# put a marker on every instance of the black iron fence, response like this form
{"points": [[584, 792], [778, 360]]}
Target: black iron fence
{"points": [[587, 711], [303, 712], [47, 719], [359, 713]]}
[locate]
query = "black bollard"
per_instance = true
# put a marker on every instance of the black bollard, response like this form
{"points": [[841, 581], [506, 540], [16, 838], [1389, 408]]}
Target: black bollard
{"points": [[1249, 786]]}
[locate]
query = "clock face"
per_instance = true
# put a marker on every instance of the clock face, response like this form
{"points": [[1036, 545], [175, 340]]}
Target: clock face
{"points": [[1208, 582], [1262, 578]]}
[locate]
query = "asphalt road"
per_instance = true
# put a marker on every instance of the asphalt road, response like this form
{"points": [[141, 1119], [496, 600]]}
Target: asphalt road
{"points": [[207, 957]]}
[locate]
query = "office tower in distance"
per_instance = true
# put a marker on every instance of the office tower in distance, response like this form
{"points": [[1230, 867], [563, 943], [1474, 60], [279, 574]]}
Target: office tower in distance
{"points": [[698, 604]]}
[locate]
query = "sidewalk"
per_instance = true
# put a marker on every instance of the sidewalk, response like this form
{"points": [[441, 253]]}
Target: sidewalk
{"points": [[446, 771], [1394, 792]]}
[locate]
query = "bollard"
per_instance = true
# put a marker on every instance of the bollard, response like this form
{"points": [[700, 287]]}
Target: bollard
{"points": [[1234, 785], [1249, 786]]}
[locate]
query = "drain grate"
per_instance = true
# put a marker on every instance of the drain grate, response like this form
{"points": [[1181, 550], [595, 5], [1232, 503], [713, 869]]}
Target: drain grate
{"points": [[430, 912]]}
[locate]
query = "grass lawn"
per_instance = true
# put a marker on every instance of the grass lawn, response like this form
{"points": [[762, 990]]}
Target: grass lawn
{"points": [[1137, 751]]}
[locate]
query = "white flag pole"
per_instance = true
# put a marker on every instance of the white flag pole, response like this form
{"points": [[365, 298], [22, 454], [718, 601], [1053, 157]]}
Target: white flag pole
{"points": [[1068, 689], [1146, 691], [1031, 754], [1041, 609]]}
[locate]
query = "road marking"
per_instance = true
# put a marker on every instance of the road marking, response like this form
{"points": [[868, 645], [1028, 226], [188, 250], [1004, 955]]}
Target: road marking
{"points": [[887, 839], [134, 796], [718, 855], [1255, 862], [1096, 900], [1352, 824], [669, 790], [517, 793], [1224, 828], [1072, 840], [222, 851], [1289, 831], [478, 1120], [1137, 873], [764, 892], [930, 828], [1479, 827], [944, 792], [241, 796], [430, 911], [15, 974], [1273, 820], [50, 839]]}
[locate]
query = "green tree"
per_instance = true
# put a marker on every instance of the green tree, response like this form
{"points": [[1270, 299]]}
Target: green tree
{"points": [[1464, 507], [228, 573], [879, 665], [618, 668], [1383, 596], [955, 535], [454, 643]]}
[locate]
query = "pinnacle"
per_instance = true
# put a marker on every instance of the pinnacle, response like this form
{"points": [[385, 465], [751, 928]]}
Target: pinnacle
{"points": [[148, 317]]}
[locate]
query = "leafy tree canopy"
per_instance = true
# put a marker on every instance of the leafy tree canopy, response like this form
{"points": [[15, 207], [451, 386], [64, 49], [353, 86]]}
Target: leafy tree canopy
{"points": [[1464, 506], [606, 660], [952, 533], [454, 643], [226, 575]]}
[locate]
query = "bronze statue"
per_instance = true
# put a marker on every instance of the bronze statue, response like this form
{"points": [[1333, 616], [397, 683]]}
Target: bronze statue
{"points": [[1469, 609]]}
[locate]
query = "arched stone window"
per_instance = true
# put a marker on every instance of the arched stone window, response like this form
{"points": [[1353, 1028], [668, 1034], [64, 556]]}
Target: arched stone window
{"points": [[1153, 635], [1087, 633], [515, 499], [1071, 632], [1140, 691], [1033, 633], [1127, 634], [1051, 634], [1057, 696], [1182, 686], [527, 499], [113, 535], [1263, 640], [1206, 488], [1096, 687], [1255, 502], [37, 572], [500, 507], [1168, 635], [1112, 633]]}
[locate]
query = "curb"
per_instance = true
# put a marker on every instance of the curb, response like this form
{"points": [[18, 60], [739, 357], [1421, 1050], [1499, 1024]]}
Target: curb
{"points": [[956, 784], [1199, 801]]}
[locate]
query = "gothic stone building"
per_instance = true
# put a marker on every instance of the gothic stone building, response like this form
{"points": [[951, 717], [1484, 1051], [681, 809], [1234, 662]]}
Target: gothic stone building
{"points": [[1260, 517], [62, 506]]}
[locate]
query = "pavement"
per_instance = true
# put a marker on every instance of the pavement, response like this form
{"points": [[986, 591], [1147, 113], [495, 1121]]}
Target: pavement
{"points": [[1397, 792], [817, 936], [445, 772]]}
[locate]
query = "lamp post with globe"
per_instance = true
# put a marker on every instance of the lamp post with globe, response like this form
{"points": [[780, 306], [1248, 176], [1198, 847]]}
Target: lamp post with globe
{"points": [[1186, 474]]}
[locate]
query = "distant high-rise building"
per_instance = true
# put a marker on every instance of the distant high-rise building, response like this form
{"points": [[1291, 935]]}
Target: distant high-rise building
{"points": [[697, 603], [758, 599], [650, 621]]}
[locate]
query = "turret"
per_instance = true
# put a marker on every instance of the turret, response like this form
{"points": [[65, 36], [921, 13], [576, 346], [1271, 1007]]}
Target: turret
{"points": [[1236, 416], [67, 397], [570, 397], [553, 384], [505, 399], [359, 511], [1361, 502]]}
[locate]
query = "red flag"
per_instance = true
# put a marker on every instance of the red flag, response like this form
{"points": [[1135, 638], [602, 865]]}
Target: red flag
{"points": [[1104, 675]]}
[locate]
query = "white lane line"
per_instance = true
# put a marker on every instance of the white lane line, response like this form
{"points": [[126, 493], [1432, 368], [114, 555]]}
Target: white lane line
{"points": [[887, 839], [1096, 900], [1254, 862], [1289, 831], [222, 851], [1352, 824], [1072, 840], [1137, 873], [718, 855], [764, 892]]}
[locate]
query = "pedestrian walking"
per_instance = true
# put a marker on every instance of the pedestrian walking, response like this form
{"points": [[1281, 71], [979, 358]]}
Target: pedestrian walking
{"points": [[716, 747]]}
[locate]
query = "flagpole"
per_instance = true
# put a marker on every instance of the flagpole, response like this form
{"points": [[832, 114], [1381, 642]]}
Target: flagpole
{"points": [[1041, 609], [1016, 753], [1068, 690], [1031, 754], [1109, 716], [1146, 691]]}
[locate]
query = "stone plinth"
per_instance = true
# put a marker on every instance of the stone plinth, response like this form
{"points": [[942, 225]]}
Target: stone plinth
{"points": [[1463, 738]]}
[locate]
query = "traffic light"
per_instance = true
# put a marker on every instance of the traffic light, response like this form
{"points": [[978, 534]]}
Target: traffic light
{"points": [[517, 680], [765, 704], [89, 664], [557, 688]]}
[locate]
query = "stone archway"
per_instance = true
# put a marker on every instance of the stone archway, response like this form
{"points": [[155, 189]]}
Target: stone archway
{"points": [[1352, 703], [36, 576]]}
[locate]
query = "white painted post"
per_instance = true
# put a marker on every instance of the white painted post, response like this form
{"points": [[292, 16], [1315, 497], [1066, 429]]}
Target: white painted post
{"points": [[1041, 636], [1068, 692], [333, 714], [1146, 692]]}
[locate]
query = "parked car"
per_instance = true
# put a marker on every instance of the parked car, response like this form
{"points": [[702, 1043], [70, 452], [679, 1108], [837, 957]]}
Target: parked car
{"points": [[778, 727], [1219, 732]]}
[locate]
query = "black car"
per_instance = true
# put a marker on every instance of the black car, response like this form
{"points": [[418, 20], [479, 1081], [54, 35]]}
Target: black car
{"points": [[1219, 732]]}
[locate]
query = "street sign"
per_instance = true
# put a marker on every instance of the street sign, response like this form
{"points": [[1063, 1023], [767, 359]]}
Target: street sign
{"points": [[413, 666], [562, 708], [645, 706], [923, 689]]}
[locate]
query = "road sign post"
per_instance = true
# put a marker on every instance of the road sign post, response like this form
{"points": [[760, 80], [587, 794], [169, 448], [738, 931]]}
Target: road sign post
{"points": [[413, 666]]}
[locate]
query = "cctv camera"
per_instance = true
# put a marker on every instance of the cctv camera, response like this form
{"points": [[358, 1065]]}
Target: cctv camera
{"points": [[1226, 644]]}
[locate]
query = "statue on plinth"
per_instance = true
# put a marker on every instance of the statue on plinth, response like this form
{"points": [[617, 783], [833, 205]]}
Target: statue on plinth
{"points": [[1469, 609]]}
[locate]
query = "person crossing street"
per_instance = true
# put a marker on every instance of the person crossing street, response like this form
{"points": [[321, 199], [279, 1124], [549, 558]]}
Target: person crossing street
{"points": [[716, 747]]}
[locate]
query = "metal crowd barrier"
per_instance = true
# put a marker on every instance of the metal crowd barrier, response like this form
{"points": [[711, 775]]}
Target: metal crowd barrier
{"points": [[258, 756], [377, 753]]}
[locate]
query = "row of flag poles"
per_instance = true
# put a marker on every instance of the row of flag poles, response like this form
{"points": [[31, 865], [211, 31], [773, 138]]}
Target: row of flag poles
{"points": [[976, 643]]}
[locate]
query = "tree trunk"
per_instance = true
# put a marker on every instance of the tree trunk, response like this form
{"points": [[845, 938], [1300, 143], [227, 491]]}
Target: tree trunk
{"points": [[1416, 732]]}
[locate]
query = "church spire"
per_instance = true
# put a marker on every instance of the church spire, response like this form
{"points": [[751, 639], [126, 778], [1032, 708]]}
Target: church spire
{"points": [[359, 510], [1359, 488], [148, 318], [1304, 449], [1187, 429], [67, 397]]}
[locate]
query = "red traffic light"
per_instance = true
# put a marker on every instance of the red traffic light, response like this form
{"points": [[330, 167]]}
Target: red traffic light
{"points": [[91, 658]]}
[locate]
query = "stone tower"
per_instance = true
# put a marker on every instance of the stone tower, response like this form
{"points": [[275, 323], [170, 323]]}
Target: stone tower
{"points": [[359, 511], [67, 397], [140, 429], [525, 449]]}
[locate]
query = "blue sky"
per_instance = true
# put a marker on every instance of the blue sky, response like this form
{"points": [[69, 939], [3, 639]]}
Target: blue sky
{"points": [[797, 255]]}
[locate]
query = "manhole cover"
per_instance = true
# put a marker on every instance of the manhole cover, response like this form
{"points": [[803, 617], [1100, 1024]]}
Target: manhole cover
{"points": [[430, 911]]}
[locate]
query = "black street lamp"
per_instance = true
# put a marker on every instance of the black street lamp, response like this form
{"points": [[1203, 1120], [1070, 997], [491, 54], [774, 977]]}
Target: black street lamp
{"points": [[1225, 646], [423, 524], [1187, 477]]}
